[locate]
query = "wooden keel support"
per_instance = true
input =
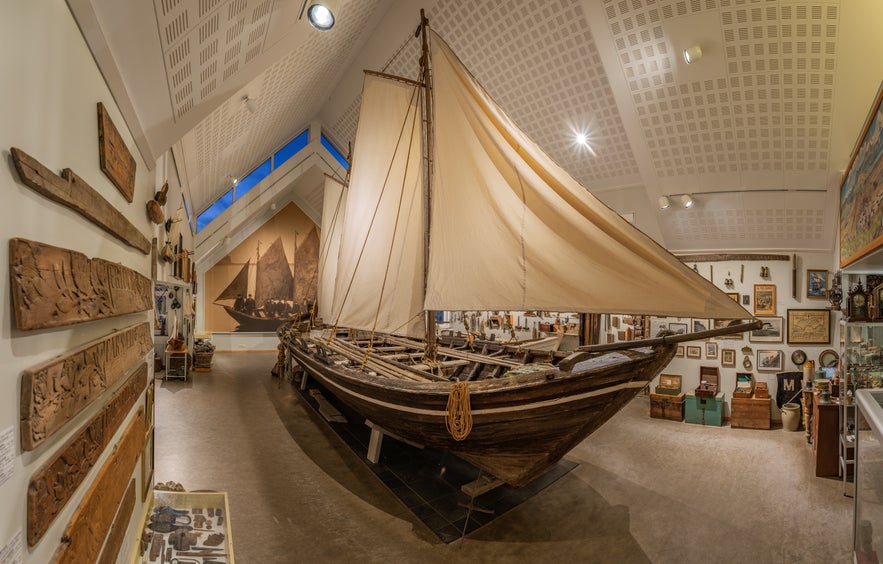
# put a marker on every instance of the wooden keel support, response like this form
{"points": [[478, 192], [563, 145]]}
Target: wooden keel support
{"points": [[52, 286], [73, 192], [90, 524], [55, 482], [56, 391], [118, 528], [114, 158]]}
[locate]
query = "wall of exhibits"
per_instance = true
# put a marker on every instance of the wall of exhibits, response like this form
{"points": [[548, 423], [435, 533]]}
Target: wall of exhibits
{"points": [[100, 311]]}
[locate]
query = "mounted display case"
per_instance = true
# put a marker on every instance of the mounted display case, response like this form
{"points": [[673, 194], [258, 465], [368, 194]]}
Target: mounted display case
{"points": [[868, 517]]}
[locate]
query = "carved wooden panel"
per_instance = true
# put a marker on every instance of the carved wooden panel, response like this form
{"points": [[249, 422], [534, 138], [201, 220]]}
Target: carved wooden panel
{"points": [[56, 391], [73, 192], [114, 157], [55, 482], [118, 529], [91, 522], [52, 286]]}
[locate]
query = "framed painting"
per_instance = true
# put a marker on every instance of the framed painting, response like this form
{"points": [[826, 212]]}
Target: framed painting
{"points": [[720, 323], [680, 351], [769, 360], [809, 326], [728, 358], [746, 299], [710, 349], [734, 296], [770, 332], [817, 284], [764, 299], [700, 325], [678, 328], [694, 351], [861, 219]]}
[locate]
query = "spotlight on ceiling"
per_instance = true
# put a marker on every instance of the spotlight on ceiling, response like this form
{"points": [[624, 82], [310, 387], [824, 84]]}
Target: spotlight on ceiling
{"points": [[323, 13], [692, 54], [687, 201], [250, 103], [664, 202]]}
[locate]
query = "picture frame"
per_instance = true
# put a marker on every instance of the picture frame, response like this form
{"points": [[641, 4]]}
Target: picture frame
{"points": [[720, 323], [816, 284], [680, 352], [769, 360], [147, 464], [809, 326], [694, 351], [877, 295], [710, 349], [746, 299], [764, 299], [678, 328], [728, 358], [861, 233], [772, 331], [733, 296], [700, 325]]}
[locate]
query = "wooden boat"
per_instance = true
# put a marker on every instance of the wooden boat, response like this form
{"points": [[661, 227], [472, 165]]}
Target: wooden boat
{"points": [[506, 229]]}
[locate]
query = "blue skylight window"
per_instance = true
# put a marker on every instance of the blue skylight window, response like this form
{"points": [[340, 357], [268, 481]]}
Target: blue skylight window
{"points": [[335, 153], [214, 210], [292, 148], [255, 176]]}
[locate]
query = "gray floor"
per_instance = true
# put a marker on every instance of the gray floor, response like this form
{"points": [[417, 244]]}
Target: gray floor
{"points": [[645, 490]]}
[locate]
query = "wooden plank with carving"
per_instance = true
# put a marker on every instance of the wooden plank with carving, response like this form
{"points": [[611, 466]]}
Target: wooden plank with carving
{"points": [[55, 482], [52, 286], [73, 192], [54, 392], [118, 529], [92, 520], [114, 158]]}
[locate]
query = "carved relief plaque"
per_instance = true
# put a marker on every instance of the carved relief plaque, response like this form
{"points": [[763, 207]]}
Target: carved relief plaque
{"points": [[114, 157], [52, 286], [56, 391]]}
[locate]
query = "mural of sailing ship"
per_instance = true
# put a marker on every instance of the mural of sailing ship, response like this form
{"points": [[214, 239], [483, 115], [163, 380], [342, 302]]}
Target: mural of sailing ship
{"points": [[278, 294], [510, 230]]}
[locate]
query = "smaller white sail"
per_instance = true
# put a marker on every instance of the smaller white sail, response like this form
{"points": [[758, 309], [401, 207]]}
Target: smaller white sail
{"points": [[333, 211]]}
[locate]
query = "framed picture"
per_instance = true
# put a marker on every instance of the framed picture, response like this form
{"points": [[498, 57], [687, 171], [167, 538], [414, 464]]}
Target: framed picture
{"points": [[700, 325], [678, 328], [147, 467], [720, 323], [746, 299], [861, 228], [710, 349], [733, 296], [658, 324], [770, 332], [769, 360], [764, 299], [809, 326], [817, 284], [694, 351], [728, 358], [680, 351]]}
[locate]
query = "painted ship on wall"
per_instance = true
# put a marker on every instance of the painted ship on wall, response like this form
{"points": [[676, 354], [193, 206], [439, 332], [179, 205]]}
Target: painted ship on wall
{"points": [[508, 230]]}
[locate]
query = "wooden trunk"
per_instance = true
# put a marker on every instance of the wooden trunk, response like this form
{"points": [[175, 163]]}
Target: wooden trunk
{"points": [[669, 384], [666, 406], [750, 413], [703, 410], [52, 286], [761, 390], [56, 391], [709, 382]]}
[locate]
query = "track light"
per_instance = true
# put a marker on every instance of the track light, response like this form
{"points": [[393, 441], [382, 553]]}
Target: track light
{"points": [[692, 54], [664, 202], [322, 14], [687, 201]]}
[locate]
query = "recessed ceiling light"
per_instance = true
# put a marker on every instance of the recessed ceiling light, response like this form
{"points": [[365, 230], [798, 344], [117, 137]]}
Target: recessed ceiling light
{"points": [[692, 54], [322, 14]]}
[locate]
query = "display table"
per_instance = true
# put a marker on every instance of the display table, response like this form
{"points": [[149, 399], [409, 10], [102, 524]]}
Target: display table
{"points": [[181, 358], [204, 533], [704, 411]]}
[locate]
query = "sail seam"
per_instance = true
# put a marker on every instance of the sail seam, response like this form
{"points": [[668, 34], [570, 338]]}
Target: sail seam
{"points": [[523, 229]]}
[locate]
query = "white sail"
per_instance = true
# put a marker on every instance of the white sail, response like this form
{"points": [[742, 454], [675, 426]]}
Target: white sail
{"points": [[380, 269], [511, 230], [333, 210]]}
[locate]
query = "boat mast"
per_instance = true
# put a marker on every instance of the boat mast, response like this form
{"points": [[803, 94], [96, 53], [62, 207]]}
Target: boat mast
{"points": [[431, 346]]}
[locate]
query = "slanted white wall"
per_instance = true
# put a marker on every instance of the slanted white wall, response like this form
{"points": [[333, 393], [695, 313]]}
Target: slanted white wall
{"points": [[50, 89]]}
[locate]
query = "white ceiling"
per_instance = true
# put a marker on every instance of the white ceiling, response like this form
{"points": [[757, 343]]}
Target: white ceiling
{"points": [[774, 106]]}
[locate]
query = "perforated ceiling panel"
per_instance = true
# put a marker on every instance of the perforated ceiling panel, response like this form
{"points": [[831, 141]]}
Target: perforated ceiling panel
{"points": [[540, 62], [769, 106]]}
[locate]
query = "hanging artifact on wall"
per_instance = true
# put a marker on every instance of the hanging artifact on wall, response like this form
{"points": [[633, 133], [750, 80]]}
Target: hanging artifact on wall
{"points": [[114, 158], [154, 206]]}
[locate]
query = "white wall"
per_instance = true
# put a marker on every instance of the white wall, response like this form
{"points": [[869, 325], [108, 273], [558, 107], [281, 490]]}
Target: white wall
{"points": [[50, 89]]}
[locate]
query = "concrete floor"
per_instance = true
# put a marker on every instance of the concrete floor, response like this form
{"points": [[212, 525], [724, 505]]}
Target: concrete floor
{"points": [[645, 490]]}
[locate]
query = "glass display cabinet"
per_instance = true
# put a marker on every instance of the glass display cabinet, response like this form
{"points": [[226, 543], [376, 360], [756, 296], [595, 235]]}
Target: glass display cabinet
{"points": [[868, 517], [861, 367]]}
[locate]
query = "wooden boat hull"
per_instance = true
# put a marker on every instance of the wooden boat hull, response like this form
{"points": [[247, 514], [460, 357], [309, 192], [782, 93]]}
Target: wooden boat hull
{"points": [[255, 324], [522, 424]]}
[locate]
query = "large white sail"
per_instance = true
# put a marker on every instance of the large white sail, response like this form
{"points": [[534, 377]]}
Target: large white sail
{"points": [[380, 269], [511, 230], [333, 210]]}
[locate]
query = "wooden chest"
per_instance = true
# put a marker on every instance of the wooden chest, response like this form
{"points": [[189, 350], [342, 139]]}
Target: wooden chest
{"points": [[750, 413], [709, 381], [704, 411], [761, 390], [744, 385], [665, 406], [669, 384]]}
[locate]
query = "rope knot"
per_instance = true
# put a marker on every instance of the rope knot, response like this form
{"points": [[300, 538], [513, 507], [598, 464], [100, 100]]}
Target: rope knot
{"points": [[459, 419]]}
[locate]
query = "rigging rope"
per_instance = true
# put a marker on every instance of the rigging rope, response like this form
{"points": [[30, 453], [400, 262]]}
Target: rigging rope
{"points": [[459, 419]]}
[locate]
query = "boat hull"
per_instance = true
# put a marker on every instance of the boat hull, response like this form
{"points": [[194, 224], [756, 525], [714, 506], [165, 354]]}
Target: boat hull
{"points": [[255, 324], [521, 425]]}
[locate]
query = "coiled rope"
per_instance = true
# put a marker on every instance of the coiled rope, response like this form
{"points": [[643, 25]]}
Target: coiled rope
{"points": [[459, 419]]}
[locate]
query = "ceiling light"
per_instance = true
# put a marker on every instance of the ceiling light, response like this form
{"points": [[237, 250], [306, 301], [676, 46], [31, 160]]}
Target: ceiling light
{"points": [[323, 14], [692, 54], [687, 201], [250, 104], [664, 202]]}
